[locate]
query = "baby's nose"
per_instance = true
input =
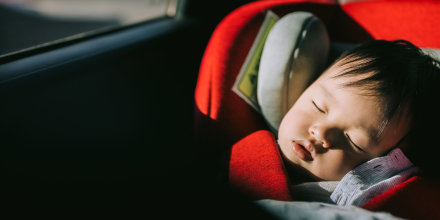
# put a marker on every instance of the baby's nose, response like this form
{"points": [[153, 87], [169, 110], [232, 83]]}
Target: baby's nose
{"points": [[318, 134]]}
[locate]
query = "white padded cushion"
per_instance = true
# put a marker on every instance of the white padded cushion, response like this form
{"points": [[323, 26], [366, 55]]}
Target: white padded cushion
{"points": [[294, 54], [434, 53]]}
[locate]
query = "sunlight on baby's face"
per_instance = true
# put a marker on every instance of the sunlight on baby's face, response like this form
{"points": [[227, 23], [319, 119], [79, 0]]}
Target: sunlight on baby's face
{"points": [[333, 128]]}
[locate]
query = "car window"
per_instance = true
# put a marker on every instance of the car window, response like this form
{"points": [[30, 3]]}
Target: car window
{"points": [[26, 24]]}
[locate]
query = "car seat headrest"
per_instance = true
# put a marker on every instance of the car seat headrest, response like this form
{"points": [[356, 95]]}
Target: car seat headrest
{"points": [[294, 54]]}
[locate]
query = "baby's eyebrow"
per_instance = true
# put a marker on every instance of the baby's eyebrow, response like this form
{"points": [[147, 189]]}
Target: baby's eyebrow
{"points": [[375, 134], [326, 92]]}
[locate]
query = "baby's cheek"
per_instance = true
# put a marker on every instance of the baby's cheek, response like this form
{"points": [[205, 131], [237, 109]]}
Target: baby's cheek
{"points": [[333, 165], [294, 125]]}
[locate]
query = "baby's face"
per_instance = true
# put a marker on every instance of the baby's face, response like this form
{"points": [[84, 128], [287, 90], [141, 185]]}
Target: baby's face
{"points": [[333, 128]]}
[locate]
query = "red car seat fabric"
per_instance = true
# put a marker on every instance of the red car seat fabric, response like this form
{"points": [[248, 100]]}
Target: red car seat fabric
{"points": [[415, 21], [257, 169]]}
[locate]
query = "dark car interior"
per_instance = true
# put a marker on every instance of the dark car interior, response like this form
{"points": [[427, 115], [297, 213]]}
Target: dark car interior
{"points": [[108, 119], [155, 119]]}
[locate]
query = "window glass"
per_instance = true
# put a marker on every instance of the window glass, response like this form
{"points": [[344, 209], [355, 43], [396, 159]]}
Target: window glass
{"points": [[25, 24]]}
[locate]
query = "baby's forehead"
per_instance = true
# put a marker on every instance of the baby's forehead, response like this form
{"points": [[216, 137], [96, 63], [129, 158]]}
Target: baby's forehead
{"points": [[342, 91], [349, 74]]}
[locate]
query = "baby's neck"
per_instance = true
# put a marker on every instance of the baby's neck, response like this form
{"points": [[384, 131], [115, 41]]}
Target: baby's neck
{"points": [[298, 175]]}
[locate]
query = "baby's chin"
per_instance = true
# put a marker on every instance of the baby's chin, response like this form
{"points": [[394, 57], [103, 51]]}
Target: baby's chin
{"points": [[300, 171], [291, 157], [297, 172]]}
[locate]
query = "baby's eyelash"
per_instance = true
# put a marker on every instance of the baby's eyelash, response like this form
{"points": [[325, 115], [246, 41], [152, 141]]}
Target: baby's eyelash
{"points": [[317, 107], [353, 144]]}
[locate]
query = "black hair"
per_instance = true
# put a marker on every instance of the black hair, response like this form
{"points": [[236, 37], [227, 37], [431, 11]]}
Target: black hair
{"points": [[407, 78]]}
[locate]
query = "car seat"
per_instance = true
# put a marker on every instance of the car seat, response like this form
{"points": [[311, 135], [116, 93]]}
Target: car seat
{"points": [[229, 129]]}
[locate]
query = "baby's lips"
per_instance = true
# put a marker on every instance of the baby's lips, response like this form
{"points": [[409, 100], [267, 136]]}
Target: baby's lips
{"points": [[301, 152], [308, 146]]}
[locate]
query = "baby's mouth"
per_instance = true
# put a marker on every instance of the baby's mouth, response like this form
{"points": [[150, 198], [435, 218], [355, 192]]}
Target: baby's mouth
{"points": [[301, 151]]}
